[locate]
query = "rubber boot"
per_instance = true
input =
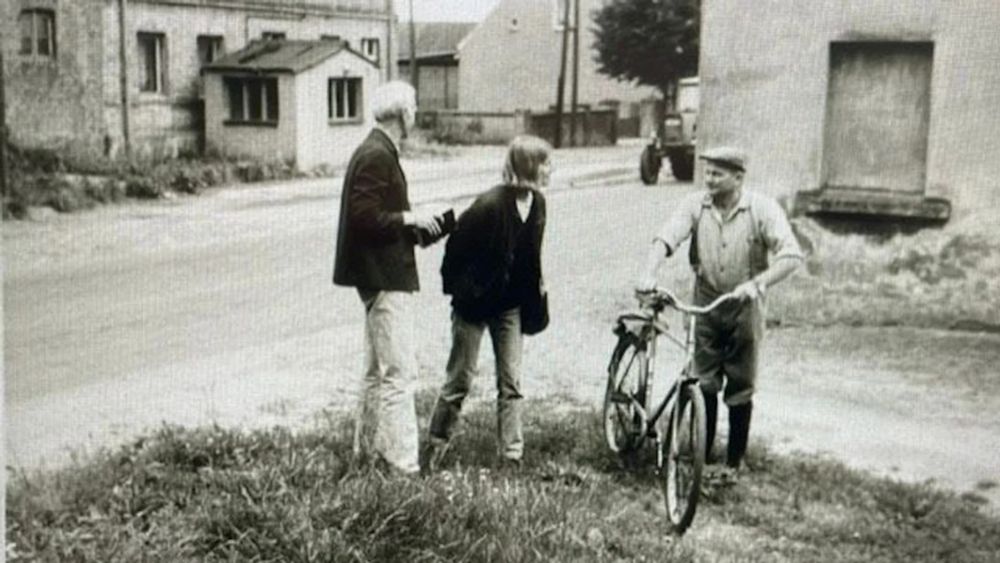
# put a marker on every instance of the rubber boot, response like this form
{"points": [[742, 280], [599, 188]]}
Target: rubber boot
{"points": [[739, 433], [711, 417]]}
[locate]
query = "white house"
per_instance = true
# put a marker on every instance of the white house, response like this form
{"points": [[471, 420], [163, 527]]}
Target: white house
{"points": [[302, 101]]}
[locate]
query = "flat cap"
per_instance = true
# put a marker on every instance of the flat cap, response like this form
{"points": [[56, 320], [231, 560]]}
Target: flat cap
{"points": [[730, 157]]}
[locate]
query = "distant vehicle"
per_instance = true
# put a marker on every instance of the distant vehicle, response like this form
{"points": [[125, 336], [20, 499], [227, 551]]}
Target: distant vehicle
{"points": [[674, 137]]}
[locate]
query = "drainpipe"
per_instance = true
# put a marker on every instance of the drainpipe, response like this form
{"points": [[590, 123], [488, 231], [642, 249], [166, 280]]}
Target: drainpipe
{"points": [[123, 75]]}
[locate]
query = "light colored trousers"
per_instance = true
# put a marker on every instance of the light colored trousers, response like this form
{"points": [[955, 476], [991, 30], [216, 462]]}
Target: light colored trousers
{"points": [[386, 419], [505, 332]]}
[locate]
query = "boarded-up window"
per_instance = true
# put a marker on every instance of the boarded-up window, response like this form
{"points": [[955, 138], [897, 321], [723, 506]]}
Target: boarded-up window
{"points": [[344, 98], [878, 115], [252, 100]]}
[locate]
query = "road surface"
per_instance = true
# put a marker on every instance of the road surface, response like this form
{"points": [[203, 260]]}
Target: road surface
{"points": [[219, 309]]}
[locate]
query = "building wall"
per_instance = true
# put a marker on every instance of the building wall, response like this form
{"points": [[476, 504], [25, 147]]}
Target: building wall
{"points": [[764, 82], [438, 85], [256, 141], [55, 102], [319, 140], [172, 121], [526, 75]]}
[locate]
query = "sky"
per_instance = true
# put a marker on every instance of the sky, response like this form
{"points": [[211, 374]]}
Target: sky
{"points": [[445, 10]]}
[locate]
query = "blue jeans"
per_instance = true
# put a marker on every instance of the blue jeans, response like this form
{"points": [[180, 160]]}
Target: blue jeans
{"points": [[505, 332]]}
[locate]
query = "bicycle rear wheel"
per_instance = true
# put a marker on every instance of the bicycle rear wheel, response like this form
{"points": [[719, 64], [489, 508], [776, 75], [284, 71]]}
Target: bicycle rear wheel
{"points": [[684, 457], [624, 426]]}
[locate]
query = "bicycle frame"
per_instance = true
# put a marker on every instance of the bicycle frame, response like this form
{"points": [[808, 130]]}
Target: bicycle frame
{"points": [[653, 328]]}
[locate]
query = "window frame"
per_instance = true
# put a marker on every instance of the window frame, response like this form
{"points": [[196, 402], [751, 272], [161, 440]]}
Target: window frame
{"points": [[159, 44], [331, 100], [37, 16], [216, 47], [274, 35], [366, 46], [267, 100]]}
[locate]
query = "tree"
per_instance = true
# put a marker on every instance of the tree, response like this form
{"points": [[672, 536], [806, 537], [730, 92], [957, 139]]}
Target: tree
{"points": [[652, 42]]}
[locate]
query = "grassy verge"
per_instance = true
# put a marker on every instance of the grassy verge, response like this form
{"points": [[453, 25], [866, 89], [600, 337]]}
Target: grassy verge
{"points": [[218, 495], [69, 182]]}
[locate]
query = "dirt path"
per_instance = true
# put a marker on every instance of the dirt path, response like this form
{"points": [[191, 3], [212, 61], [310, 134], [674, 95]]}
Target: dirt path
{"points": [[218, 309]]}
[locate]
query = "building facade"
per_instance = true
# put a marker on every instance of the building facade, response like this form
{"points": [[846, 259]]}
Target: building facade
{"points": [[65, 62], [864, 106], [511, 61], [437, 61], [301, 101]]}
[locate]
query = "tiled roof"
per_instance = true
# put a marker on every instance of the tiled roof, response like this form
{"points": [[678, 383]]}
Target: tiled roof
{"points": [[279, 56], [433, 38]]}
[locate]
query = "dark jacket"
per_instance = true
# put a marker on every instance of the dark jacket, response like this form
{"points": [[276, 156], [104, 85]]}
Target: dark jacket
{"points": [[479, 253], [374, 249]]}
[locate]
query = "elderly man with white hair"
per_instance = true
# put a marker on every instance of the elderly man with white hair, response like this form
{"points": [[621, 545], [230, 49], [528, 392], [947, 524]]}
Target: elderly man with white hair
{"points": [[376, 235]]}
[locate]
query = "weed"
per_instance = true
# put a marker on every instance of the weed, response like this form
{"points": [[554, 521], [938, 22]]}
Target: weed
{"points": [[212, 494]]}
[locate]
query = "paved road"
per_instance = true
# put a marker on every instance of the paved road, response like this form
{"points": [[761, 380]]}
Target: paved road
{"points": [[219, 309]]}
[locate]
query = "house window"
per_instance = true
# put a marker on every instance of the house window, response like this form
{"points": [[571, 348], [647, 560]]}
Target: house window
{"points": [[152, 62], [38, 32], [273, 35], [252, 100], [370, 49], [335, 38], [344, 99], [209, 48]]}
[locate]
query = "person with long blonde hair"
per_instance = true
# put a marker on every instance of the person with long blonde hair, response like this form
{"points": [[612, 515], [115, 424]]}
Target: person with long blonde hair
{"points": [[492, 269]]}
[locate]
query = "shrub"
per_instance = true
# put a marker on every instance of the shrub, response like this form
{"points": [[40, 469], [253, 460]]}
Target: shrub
{"points": [[143, 187]]}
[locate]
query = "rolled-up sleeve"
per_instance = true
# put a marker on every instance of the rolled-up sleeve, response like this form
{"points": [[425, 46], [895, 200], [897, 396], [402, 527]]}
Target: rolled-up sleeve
{"points": [[680, 224], [778, 235]]}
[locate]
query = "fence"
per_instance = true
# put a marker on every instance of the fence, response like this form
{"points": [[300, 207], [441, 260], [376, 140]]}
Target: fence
{"points": [[593, 128]]}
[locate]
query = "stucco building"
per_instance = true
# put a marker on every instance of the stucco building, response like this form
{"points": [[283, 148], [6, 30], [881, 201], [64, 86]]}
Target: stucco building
{"points": [[511, 61], [302, 101], [65, 62], [884, 108]]}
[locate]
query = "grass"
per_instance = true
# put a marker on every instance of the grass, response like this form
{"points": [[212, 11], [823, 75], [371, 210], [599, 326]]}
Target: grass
{"points": [[934, 279], [67, 182], [214, 494]]}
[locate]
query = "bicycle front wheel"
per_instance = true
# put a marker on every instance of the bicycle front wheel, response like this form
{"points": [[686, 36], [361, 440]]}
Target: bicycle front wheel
{"points": [[684, 457], [625, 397]]}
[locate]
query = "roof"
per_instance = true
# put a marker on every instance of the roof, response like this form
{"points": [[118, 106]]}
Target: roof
{"points": [[279, 56], [433, 38]]}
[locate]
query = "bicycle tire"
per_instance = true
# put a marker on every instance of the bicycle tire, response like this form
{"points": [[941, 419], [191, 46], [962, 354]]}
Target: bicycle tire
{"points": [[622, 420], [684, 457]]}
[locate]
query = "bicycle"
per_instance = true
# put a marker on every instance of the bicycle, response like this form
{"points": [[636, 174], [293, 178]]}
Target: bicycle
{"points": [[628, 420]]}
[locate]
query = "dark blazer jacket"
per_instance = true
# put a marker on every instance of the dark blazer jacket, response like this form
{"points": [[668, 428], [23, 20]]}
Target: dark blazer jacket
{"points": [[374, 249], [479, 253]]}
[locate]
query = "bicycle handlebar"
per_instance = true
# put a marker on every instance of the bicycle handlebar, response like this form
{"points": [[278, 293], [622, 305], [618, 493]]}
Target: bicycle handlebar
{"points": [[667, 297]]}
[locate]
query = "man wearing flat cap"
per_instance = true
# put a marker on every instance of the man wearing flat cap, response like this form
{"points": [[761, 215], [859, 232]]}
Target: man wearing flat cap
{"points": [[742, 244]]}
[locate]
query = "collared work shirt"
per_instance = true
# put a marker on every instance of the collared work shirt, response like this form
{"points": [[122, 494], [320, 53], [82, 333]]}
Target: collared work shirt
{"points": [[727, 243]]}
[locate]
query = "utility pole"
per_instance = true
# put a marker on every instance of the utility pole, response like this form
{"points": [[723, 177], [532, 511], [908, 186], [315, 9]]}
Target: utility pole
{"points": [[562, 75], [390, 59], [414, 68], [3, 134], [123, 76], [576, 72]]}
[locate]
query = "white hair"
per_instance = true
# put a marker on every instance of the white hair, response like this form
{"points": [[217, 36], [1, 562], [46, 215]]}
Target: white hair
{"points": [[392, 100]]}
